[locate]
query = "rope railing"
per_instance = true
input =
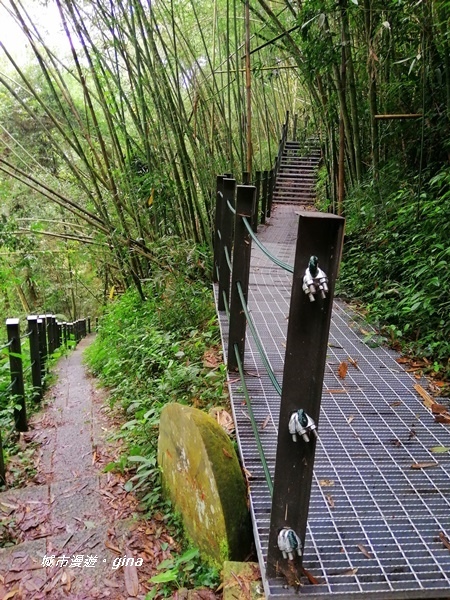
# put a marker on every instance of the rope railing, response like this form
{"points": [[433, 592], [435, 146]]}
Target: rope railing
{"points": [[257, 340], [253, 421], [265, 250], [7, 345]]}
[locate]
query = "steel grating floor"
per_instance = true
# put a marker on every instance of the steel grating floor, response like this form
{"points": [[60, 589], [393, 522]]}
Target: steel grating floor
{"points": [[374, 521]]}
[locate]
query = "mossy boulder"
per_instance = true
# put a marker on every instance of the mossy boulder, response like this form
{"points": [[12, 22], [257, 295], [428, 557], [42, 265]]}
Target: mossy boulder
{"points": [[202, 477]]}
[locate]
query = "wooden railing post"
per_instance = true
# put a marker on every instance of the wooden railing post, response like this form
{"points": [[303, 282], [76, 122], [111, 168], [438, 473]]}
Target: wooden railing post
{"points": [[36, 371], [265, 187], [270, 186], [319, 235], [245, 205], [43, 349], [229, 191], [218, 227], [50, 334], [2, 464], [257, 196], [89, 325], [16, 370]]}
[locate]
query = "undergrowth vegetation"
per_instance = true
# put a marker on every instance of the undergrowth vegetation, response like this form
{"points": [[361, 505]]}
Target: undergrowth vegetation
{"points": [[154, 352], [397, 262]]}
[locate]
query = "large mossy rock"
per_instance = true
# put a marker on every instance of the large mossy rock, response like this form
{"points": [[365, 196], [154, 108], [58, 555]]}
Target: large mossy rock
{"points": [[202, 477]]}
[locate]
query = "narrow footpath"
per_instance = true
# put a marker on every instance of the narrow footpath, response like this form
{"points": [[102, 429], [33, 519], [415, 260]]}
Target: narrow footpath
{"points": [[73, 524]]}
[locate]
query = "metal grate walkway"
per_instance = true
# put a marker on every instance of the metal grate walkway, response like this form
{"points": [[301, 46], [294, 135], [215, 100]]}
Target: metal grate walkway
{"points": [[374, 522]]}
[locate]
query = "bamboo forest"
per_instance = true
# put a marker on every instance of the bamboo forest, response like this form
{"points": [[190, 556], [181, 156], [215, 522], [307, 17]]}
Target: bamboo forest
{"points": [[116, 120]]}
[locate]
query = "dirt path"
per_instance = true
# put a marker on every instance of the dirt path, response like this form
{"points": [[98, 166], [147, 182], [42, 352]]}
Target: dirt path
{"points": [[74, 523]]}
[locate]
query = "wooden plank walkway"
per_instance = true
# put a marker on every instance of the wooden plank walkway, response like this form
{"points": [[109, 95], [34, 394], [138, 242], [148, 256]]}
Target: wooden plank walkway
{"points": [[376, 524]]}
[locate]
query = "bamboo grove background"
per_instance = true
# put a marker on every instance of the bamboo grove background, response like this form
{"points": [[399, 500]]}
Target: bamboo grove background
{"points": [[110, 146]]}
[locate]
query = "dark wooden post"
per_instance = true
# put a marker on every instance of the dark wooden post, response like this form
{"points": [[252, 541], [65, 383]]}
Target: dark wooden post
{"points": [[294, 128], [43, 351], [321, 235], [245, 205], [50, 334], [245, 178], [2, 464], [265, 184], [229, 190], [257, 195], [59, 333], [16, 370], [36, 371], [270, 186], [218, 226], [89, 325]]}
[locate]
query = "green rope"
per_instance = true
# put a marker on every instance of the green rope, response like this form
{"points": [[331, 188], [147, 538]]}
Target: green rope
{"points": [[228, 259], [253, 422], [273, 258], [225, 302], [257, 339], [230, 206]]}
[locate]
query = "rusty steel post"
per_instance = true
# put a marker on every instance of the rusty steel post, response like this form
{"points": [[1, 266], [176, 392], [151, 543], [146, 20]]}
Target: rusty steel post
{"points": [[321, 235], [245, 205]]}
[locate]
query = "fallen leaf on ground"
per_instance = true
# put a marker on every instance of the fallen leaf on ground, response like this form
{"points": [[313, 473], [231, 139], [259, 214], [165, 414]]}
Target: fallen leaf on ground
{"points": [[443, 418], [350, 419], [131, 580], [330, 500], [444, 539], [342, 369], [424, 465], [364, 550], [341, 391], [112, 547], [11, 594], [437, 409], [439, 449], [326, 482], [266, 420], [396, 403], [227, 454], [427, 399], [313, 580], [353, 362]]}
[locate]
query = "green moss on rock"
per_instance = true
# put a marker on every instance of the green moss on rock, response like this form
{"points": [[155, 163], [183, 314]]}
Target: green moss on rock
{"points": [[202, 477]]}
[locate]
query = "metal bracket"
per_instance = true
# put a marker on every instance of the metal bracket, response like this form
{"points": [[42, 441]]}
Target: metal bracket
{"points": [[315, 280], [289, 543], [302, 424]]}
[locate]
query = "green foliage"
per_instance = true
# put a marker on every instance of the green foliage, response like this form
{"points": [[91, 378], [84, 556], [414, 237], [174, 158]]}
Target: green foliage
{"points": [[397, 262], [183, 570]]}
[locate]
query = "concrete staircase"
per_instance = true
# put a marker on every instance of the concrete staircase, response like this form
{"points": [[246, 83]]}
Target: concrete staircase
{"points": [[297, 174]]}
